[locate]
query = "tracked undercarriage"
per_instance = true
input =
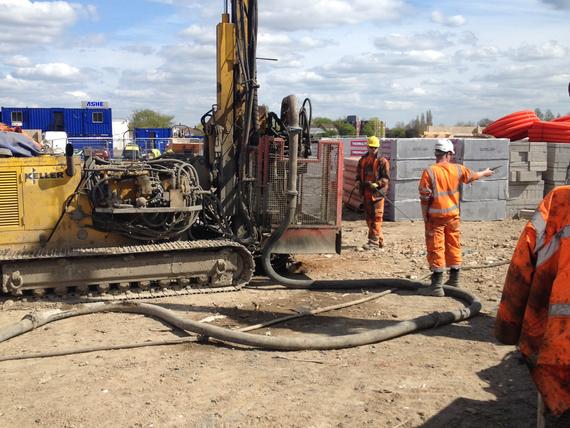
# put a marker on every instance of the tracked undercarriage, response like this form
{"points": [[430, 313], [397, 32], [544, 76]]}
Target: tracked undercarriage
{"points": [[128, 272]]}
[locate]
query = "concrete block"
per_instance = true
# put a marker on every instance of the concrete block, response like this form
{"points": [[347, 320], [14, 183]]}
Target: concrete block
{"points": [[483, 190], [551, 184], [406, 209], [537, 166], [518, 157], [554, 174], [558, 152], [408, 149], [483, 149], [409, 169], [538, 156], [528, 176], [483, 210], [521, 197], [501, 173], [403, 189]]}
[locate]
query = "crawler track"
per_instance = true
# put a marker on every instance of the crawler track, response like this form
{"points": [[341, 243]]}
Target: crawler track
{"points": [[128, 272]]}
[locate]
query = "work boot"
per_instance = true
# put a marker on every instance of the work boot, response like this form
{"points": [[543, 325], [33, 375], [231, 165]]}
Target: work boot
{"points": [[453, 279], [370, 245], [436, 287]]}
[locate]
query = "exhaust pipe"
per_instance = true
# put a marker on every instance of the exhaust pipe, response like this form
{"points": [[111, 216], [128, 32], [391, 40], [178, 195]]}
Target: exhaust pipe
{"points": [[70, 170]]}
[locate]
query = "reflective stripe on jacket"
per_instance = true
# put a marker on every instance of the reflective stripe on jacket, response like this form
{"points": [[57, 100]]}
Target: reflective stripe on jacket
{"points": [[374, 170], [439, 188], [535, 306]]}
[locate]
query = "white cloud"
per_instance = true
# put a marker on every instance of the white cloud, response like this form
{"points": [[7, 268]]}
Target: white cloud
{"points": [[398, 105], [427, 40], [421, 57], [18, 61], [314, 43], [448, 21], [301, 14], [53, 71], [548, 50], [482, 53], [78, 94], [199, 34], [558, 4], [27, 22], [272, 39]]}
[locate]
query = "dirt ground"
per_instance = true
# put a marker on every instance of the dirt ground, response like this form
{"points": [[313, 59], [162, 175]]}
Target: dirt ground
{"points": [[455, 375]]}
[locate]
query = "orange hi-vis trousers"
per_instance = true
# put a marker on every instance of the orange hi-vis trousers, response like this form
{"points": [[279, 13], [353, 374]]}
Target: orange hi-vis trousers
{"points": [[374, 213], [443, 242]]}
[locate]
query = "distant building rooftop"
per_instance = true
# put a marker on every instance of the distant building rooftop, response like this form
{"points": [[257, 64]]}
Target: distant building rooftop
{"points": [[453, 131]]}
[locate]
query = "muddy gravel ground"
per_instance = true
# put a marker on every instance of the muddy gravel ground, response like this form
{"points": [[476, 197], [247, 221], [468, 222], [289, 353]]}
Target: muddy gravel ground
{"points": [[454, 376]]}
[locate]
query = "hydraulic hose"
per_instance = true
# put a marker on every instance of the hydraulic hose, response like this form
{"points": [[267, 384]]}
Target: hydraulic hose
{"points": [[294, 132], [298, 343]]}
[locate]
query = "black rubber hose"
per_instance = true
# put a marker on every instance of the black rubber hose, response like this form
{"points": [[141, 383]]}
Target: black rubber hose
{"points": [[298, 343], [289, 216]]}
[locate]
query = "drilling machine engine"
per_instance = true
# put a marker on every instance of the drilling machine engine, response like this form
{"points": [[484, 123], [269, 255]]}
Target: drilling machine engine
{"points": [[128, 229]]}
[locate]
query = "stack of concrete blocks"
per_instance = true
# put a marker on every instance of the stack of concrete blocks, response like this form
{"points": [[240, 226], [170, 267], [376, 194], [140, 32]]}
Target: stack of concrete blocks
{"points": [[408, 158], [350, 195], [485, 199], [558, 159], [526, 186]]}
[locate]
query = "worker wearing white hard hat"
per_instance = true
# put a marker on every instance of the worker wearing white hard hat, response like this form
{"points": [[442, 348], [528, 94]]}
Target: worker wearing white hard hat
{"points": [[372, 178], [439, 196]]}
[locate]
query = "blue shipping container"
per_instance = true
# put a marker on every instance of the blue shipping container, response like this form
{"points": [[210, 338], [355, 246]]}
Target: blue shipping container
{"points": [[77, 122], [153, 138]]}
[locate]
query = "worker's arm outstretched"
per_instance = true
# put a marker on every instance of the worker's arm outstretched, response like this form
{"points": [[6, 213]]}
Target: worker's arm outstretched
{"points": [[468, 176]]}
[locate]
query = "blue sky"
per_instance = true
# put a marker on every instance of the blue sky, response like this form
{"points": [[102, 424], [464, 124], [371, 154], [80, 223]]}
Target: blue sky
{"points": [[391, 59]]}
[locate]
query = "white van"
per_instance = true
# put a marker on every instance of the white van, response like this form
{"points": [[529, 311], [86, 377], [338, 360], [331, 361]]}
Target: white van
{"points": [[56, 140]]}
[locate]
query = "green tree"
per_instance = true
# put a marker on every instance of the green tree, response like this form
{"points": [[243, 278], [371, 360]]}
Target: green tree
{"points": [[548, 115], [344, 128], [484, 122], [396, 132], [318, 121], [150, 119], [372, 127], [539, 113], [429, 118]]}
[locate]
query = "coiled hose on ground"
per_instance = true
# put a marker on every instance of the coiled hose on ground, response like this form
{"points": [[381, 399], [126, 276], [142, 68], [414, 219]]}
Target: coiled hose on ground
{"points": [[297, 343]]}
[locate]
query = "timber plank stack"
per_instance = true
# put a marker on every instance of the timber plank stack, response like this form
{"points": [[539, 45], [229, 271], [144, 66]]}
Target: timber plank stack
{"points": [[526, 185]]}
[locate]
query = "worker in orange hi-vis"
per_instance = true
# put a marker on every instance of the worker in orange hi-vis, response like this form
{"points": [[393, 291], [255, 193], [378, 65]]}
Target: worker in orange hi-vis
{"points": [[439, 196], [372, 178], [534, 312]]}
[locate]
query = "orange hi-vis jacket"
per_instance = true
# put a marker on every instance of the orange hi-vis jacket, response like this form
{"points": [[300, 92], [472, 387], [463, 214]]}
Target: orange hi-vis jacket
{"points": [[535, 306], [374, 170], [439, 188]]}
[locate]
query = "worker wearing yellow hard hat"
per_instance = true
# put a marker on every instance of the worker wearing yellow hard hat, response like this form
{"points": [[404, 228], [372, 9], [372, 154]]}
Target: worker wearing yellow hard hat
{"points": [[372, 178], [373, 142], [154, 154]]}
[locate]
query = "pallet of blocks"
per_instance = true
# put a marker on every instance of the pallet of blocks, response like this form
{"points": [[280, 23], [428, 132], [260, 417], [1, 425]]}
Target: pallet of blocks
{"points": [[526, 186], [557, 162], [408, 158], [350, 195], [484, 199]]}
